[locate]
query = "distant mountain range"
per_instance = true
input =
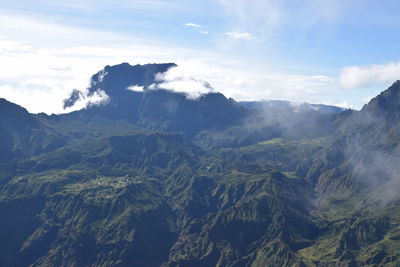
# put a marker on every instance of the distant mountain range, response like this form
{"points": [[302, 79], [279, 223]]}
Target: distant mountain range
{"points": [[273, 105], [154, 178]]}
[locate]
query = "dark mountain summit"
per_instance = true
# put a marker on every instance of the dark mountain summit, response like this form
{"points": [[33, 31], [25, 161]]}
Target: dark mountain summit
{"points": [[154, 178], [157, 109], [114, 80], [386, 103]]}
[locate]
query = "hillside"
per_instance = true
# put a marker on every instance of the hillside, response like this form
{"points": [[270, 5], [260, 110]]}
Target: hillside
{"points": [[154, 178]]}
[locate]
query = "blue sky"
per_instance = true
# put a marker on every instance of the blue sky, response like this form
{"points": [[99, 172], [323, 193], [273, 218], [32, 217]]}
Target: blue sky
{"points": [[321, 51]]}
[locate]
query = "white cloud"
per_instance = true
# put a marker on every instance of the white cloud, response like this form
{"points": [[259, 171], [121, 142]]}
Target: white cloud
{"points": [[39, 74], [179, 79], [196, 27], [240, 35], [193, 25], [361, 76], [345, 105], [136, 88], [241, 82], [40, 66], [299, 88], [99, 97]]}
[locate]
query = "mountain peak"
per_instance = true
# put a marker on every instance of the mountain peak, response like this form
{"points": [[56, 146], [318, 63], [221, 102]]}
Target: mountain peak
{"points": [[156, 109], [114, 80], [8, 107], [386, 102], [15, 115], [151, 67]]}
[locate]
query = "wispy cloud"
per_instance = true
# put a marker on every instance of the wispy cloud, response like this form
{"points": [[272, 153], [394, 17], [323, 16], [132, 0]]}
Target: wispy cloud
{"points": [[364, 76], [181, 80], [196, 27], [262, 18], [193, 25], [240, 35]]}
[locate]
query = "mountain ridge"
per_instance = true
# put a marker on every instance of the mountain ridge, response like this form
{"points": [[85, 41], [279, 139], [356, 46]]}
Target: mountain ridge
{"points": [[163, 180]]}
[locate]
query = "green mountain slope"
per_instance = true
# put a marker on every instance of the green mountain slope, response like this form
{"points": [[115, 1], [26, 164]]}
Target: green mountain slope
{"points": [[153, 178]]}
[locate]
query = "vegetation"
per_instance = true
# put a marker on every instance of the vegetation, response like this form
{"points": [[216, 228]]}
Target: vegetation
{"points": [[136, 186]]}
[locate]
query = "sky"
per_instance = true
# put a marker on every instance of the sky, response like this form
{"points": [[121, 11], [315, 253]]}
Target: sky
{"points": [[336, 52]]}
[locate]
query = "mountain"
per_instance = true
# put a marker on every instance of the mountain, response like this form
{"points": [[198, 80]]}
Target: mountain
{"points": [[13, 119], [273, 119], [386, 102], [154, 178], [276, 105], [367, 142], [114, 81], [156, 109], [23, 134]]}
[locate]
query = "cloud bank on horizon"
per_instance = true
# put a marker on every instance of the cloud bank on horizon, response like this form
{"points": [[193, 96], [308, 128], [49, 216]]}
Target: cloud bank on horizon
{"points": [[358, 76], [323, 51]]}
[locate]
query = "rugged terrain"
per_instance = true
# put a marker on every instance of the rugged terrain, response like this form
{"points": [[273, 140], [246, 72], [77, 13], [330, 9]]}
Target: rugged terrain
{"points": [[154, 178]]}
